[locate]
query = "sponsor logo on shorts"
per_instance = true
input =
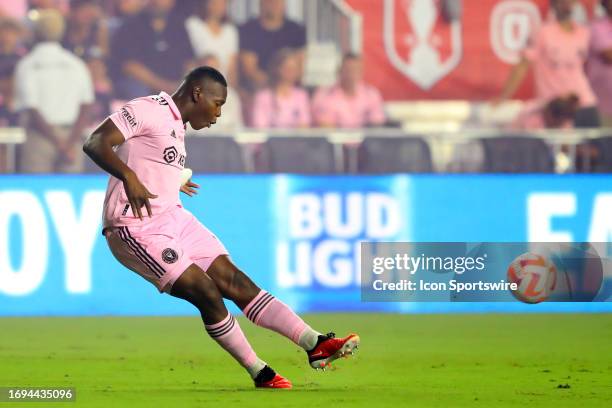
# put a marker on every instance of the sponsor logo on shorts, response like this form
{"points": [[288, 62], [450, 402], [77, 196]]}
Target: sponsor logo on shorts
{"points": [[170, 154], [169, 255], [128, 116]]}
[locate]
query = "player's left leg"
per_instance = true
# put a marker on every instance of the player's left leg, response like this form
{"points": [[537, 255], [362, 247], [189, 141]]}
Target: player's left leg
{"points": [[265, 310], [196, 287]]}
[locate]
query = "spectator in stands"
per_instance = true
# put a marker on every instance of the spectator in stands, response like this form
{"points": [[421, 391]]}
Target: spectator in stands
{"points": [[599, 67], [149, 53], [53, 91], [63, 6], [211, 33], [86, 33], [87, 36], [15, 9], [262, 38], [558, 53], [130, 8], [351, 103], [558, 113], [103, 88], [231, 113], [284, 104], [123, 10], [10, 53]]}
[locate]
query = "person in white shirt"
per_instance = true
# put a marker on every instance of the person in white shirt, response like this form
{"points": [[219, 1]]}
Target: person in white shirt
{"points": [[211, 33], [53, 93]]}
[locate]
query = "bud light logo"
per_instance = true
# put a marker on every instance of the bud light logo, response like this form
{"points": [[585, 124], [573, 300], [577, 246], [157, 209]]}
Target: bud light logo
{"points": [[323, 234]]}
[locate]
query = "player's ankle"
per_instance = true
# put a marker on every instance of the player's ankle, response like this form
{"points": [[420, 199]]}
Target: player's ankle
{"points": [[309, 339], [256, 368], [265, 374]]}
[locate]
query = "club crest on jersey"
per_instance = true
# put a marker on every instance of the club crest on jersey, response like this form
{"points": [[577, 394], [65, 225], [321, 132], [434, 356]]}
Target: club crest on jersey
{"points": [[170, 154], [169, 256], [419, 42], [173, 134]]}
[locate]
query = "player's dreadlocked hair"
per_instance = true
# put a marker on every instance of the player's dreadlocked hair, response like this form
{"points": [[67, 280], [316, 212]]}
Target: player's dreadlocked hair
{"points": [[199, 74]]}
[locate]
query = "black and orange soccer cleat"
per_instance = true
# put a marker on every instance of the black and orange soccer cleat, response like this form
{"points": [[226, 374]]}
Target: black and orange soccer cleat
{"points": [[329, 348], [268, 378]]}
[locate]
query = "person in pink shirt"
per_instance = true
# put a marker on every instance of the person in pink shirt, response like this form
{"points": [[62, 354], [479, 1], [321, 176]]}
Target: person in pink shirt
{"points": [[558, 54], [350, 103], [142, 146], [599, 66], [284, 104], [16, 9], [556, 114]]}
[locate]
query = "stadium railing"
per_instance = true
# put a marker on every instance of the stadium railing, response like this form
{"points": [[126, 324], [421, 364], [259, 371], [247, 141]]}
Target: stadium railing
{"points": [[451, 151], [456, 151], [9, 138]]}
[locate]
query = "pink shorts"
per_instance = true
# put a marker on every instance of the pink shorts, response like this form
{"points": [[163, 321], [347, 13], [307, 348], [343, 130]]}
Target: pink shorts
{"points": [[162, 249]]}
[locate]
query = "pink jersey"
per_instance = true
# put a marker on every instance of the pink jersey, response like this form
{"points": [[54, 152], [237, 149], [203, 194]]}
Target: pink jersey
{"points": [[334, 107], [154, 149], [558, 57], [271, 110]]}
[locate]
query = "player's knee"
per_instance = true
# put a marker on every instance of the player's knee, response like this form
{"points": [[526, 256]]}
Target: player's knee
{"points": [[205, 291], [197, 288], [241, 284]]}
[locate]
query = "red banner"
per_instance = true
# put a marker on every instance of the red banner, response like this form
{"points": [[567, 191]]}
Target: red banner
{"points": [[419, 49]]}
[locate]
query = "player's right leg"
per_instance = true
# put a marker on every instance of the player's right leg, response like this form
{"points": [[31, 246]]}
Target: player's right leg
{"points": [[265, 310], [259, 306]]}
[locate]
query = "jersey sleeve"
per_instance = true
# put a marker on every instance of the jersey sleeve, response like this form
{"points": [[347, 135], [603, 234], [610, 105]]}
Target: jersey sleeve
{"points": [[131, 119], [534, 47]]}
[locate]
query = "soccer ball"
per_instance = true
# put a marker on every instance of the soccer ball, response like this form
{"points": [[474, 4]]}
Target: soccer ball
{"points": [[535, 275]]}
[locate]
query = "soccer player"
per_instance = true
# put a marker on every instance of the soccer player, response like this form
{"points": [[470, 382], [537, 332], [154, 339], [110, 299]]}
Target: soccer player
{"points": [[148, 231]]}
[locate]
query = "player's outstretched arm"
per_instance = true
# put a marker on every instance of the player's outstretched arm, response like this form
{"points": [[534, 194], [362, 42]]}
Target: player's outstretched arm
{"points": [[99, 147]]}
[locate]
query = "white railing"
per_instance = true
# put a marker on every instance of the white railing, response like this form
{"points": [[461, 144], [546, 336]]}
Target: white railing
{"points": [[448, 149]]}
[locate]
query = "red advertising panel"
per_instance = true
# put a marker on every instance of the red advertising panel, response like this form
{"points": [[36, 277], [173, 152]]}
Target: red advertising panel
{"points": [[458, 49]]}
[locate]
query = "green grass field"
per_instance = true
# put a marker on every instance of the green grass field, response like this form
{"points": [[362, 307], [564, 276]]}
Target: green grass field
{"points": [[404, 361]]}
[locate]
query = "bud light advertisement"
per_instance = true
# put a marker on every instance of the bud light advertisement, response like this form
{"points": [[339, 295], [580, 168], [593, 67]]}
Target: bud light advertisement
{"points": [[300, 237]]}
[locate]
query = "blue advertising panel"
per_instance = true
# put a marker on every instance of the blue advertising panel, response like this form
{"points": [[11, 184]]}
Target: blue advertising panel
{"points": [[296, 236]]}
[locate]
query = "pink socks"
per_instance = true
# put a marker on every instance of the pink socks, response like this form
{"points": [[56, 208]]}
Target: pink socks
{"points": [[229, 336], [267, 311]]}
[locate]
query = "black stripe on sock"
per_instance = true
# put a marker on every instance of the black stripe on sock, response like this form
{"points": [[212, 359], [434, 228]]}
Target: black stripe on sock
{"points": [[227, 329], [220, 328], [138, 254], [261, 308], [256, 305]]}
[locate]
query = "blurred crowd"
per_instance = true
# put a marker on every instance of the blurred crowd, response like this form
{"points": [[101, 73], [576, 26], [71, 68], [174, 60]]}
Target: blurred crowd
{"points": [[66, 64], [572, 69]]}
